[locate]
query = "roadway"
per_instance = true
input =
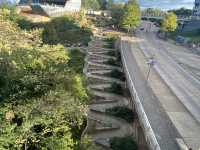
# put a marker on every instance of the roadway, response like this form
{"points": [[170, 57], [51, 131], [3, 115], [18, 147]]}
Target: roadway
{"points": [[173, 106], [163, 129], [185, 86]]}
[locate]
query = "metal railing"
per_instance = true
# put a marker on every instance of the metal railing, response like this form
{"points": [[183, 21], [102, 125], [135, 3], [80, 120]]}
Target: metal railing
{"points": [[147, 129]]}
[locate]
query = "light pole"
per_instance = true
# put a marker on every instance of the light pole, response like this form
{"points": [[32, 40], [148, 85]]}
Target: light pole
{"points": [[151, 62]]}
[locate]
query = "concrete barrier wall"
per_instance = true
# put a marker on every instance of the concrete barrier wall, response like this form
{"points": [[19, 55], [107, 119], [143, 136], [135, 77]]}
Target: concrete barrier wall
{"points": [[148, 131], [191, 25]]}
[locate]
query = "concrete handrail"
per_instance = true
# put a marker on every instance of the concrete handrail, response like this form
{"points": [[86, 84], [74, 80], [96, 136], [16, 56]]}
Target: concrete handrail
{"points": [[148, 131]]}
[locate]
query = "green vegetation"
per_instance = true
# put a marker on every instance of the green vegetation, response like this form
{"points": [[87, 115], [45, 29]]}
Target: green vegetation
{"points": [[68, 30], [117, 74], [8, 13], [115, 88], [169, 23], [77, 63], [132, 16], [192, 36], [42, 92], [125, 143], [111, 42], [103, 4], [153, 12], [91, 4], [122, 112], [101, 21], [110, 53], [65, 30], [117, 12], [182, 12], [113, 62], [110, 4]]}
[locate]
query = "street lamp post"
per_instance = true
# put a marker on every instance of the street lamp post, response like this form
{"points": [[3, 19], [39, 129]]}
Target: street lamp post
{"points": [[151, 63]]}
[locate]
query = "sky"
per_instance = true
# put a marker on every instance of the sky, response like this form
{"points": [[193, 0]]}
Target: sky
{"points": [[162, 4], [165, 4]]}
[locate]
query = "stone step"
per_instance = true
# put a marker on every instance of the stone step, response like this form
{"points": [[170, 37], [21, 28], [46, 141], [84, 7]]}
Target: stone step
{"points": [[107, 96], [94, 79], [100, 72], [103, 108], [100, 86], [98, 56], [102, 101], [102, 125], [102, 66], [91, 70], [104, 143]]}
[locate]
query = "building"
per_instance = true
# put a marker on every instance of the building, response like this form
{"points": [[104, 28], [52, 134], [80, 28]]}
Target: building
{"points": [[53, 8], [196, 10]]}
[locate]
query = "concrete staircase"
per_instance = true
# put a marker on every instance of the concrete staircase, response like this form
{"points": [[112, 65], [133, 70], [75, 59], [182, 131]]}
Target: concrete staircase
{"points": [[100, 126]]}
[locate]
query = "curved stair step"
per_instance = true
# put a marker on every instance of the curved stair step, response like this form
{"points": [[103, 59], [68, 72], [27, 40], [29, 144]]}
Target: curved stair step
{"points": [[104, 142], [99, 80], [108, 96], [103, 101]]}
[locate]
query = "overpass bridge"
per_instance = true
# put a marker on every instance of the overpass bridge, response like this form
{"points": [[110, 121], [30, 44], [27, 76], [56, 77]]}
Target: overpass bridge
{"points": [[180, 18]]}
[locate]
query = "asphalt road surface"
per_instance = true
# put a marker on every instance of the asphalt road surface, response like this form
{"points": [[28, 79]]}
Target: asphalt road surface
{"points": [[174, 102], [183, 84]]}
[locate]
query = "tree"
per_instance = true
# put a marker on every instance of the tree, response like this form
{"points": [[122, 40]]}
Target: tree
{"points": [[153, 12], [125, 143], [117, 12], [103, 4], [109, 4], [182, 12], [169, 22], [132, 16], [91, 4]]}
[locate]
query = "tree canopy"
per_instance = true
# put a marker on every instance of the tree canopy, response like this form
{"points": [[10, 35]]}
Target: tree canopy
{"points": [[91, 4], [169, 22], [117, 12], [132, 15], [182, 12], [153, 12]]}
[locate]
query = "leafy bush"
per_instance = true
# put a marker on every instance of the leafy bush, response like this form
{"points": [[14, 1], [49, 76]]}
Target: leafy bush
{"points": [[125, 143], [122, 112], [65, 30], [42, 93], [113, 62], [110, 44], [8, 13], [77, 63], [101, 21], [111, 53], [117, 74], [91, 4], [25, 24], [115, 88], [117, 11]]}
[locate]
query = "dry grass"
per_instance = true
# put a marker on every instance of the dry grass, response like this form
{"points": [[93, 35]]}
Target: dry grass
{"points": [[26, 12]]}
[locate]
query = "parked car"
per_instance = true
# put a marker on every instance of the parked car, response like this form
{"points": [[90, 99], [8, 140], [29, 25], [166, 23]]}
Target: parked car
{"points": [[180, 39]]}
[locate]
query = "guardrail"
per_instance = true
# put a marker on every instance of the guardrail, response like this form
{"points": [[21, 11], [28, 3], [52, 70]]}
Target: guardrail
{"points": [[148, 131]]}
